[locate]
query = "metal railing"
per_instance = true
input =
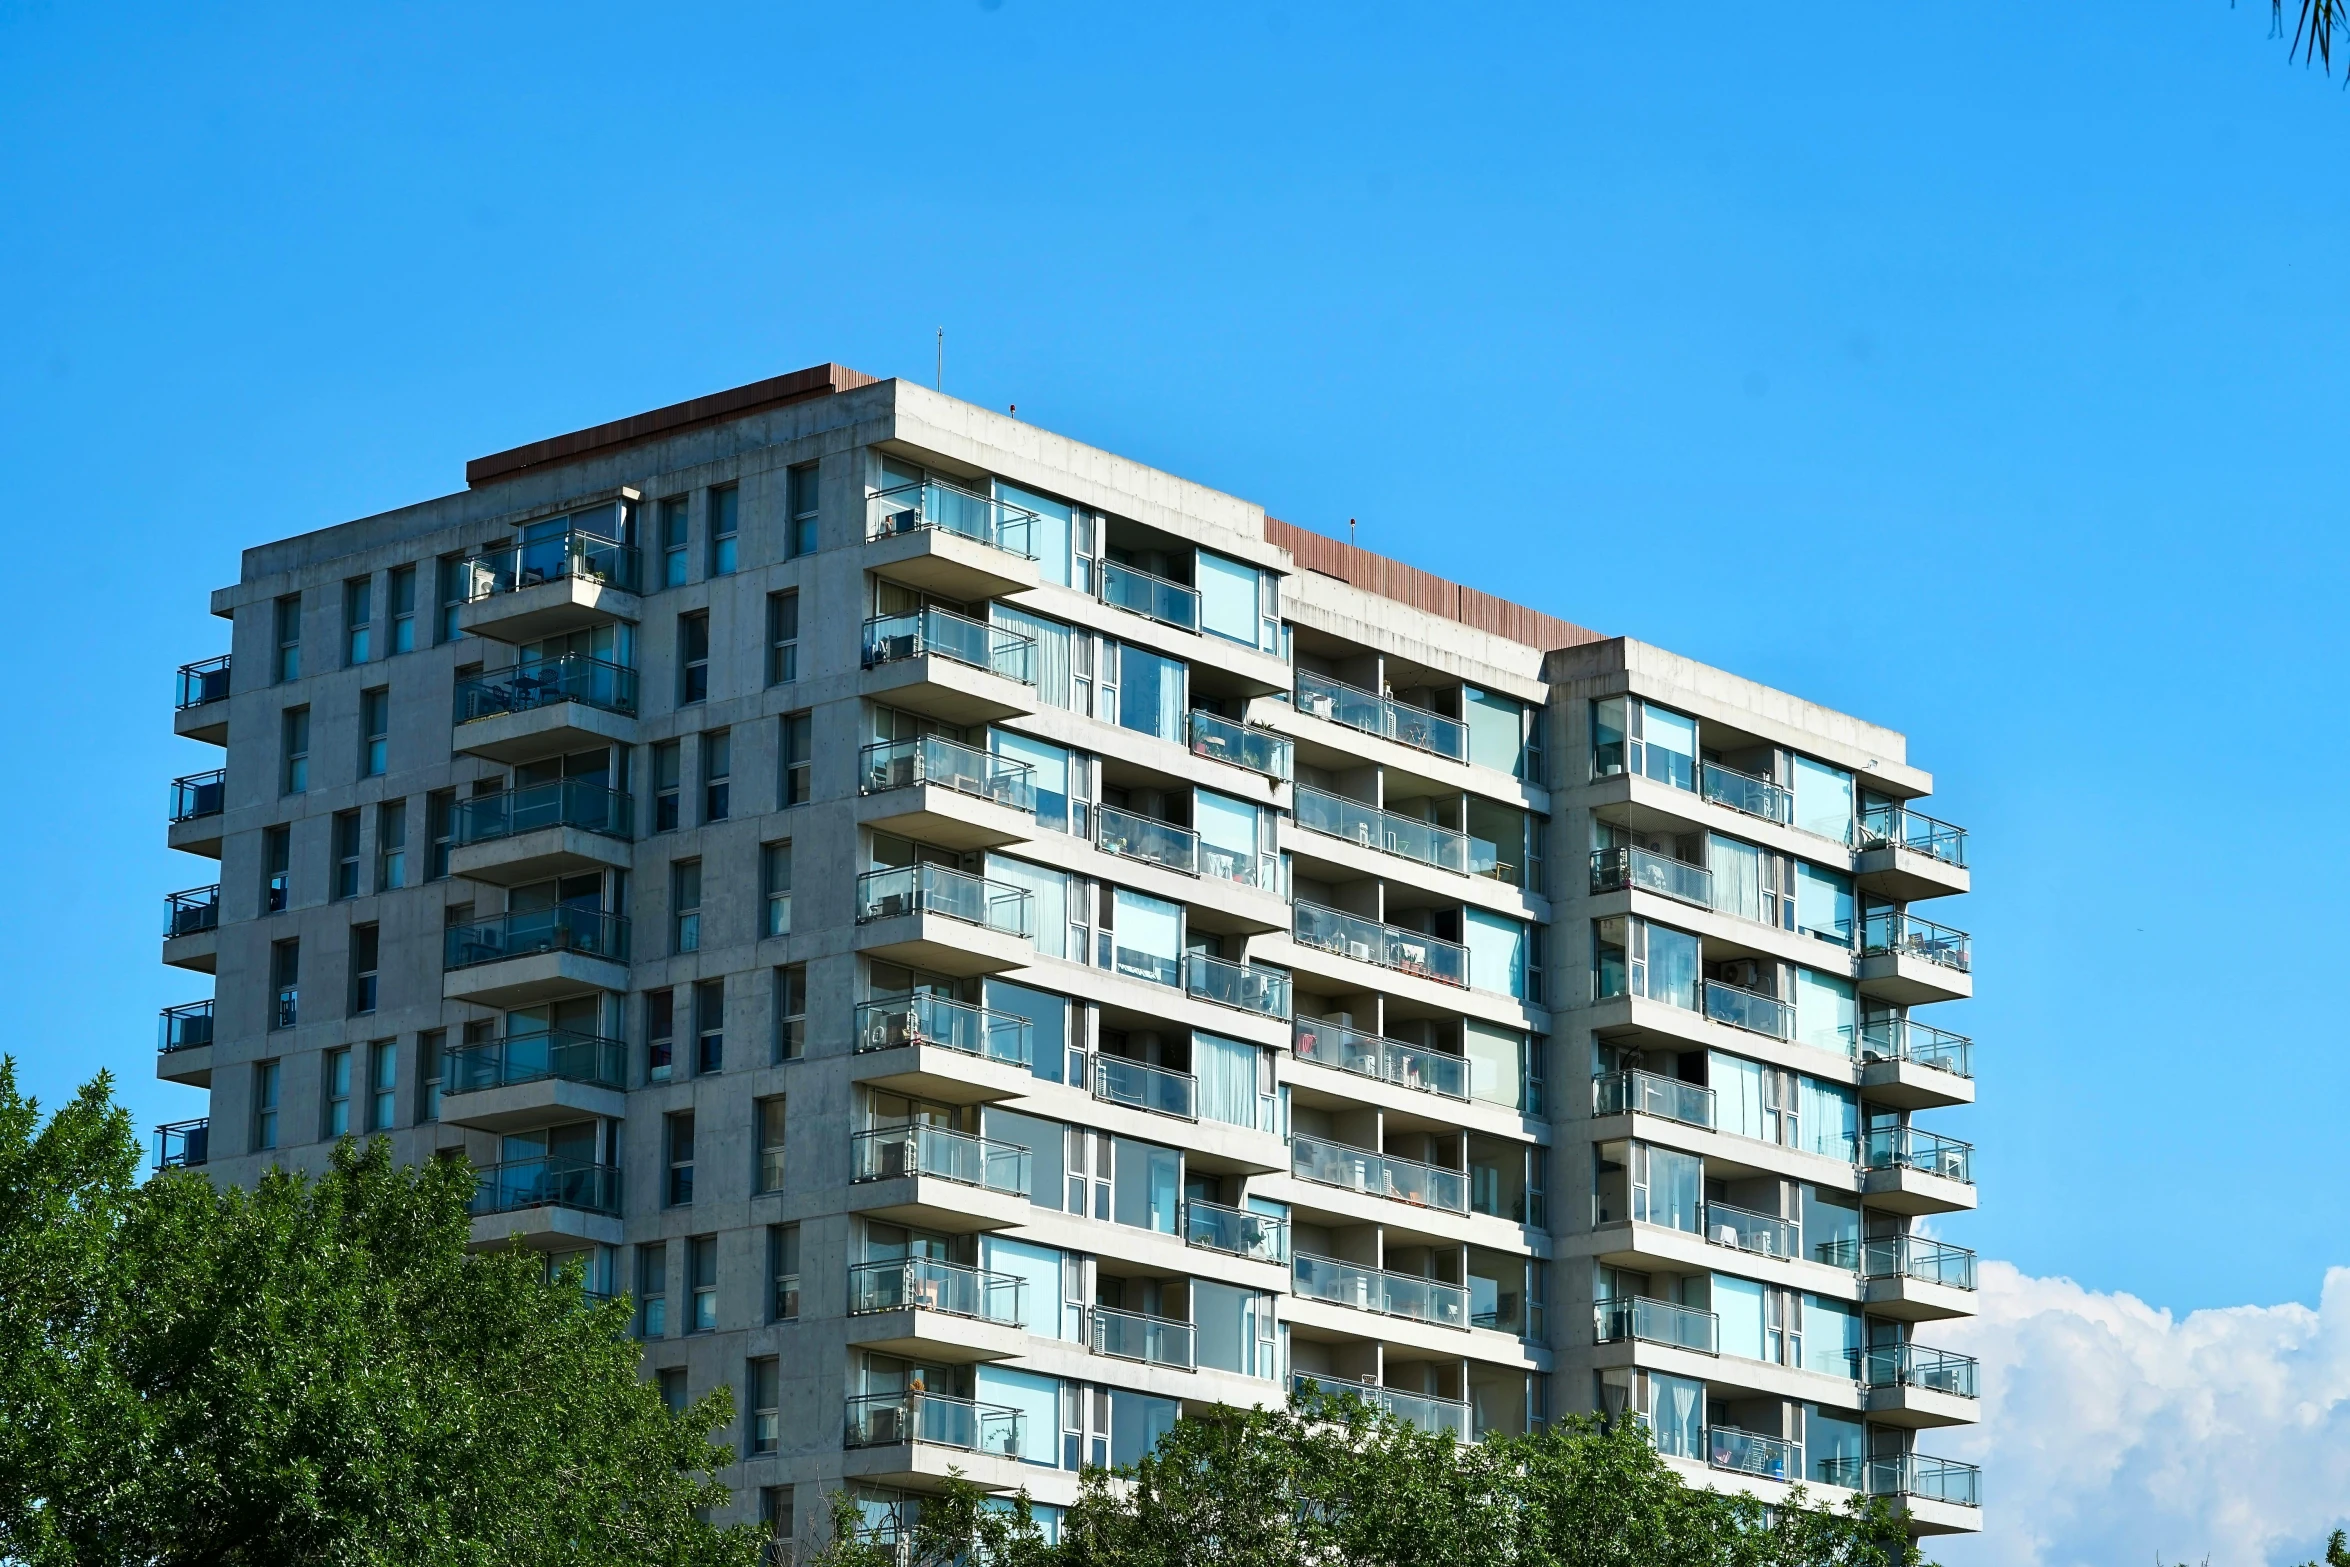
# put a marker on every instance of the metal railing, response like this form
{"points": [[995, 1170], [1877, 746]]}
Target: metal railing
{"points": [[1911, 1148], [184, 1027], [1898, 932], [928, 1019], [1749, 1009], [1619, 869], [574, 552], [886, 1419], [183, 1145], [889, 1153], [1371, 1289], [1921, 1044], [1386, 1060], [1389, 946], [1898, 827], [1745, 793], [931, 759], [191, 913], [560, 802], [925, 1284], [1135, 837], [1743, 1229], [1237, 1232], [1366, 826], [1911, 1365], [1243, 745], [199, 794], [1375, 1174], [536, 1057], [935, 889], [1138, 1336], [1319, 696], [545, 682], [546, 1182], [1656, 1322], [1436, 1416], [945, 508], [1903, 1256], [1116, 1080], [890, 639], [1240, 986], [1156, 598], [564, 928], [206, 680], [1645, 1093], [1908, 1474], [1752, 1453]]}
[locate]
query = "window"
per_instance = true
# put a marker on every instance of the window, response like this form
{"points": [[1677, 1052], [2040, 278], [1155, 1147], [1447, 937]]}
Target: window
{"points": [[678, 1137], [783, 1272], [391, 845], [797, 752], [763, 1397], [295, 727], [724, 508], [337, 1077], [440, 826], [693, 658], [770, 1113], [717, 770], [791, 1012], [710, 1026], [285, 980], [660, 1032], [701, 1262], [400, 590], [289, 638], [775, 1521], [652, 1290], [265, 1074], [358, 613], [452, 573], [431, 1054], [375, 731], [775, 883], [1150, 693], [803, 509], [673, 571], [685, 906], [668, 775], [346, 826], [672, 1384], [366, 950], [383, 1078], [783, 637], [277, 864]]}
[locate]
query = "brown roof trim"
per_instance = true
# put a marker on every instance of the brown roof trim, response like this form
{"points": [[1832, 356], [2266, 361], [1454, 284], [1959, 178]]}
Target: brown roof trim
{"points": [[815, 381], [1392, 579]]}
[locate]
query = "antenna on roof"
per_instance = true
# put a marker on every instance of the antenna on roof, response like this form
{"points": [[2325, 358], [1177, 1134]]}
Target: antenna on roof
{"points": [[1350, 533], [938, 381]]}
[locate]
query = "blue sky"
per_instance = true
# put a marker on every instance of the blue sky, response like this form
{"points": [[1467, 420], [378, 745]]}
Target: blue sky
{"points": [[1979, 370]]}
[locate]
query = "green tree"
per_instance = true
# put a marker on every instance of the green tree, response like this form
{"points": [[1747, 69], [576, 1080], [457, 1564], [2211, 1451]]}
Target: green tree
{"points": [[314, 1371], [2313, 29]]}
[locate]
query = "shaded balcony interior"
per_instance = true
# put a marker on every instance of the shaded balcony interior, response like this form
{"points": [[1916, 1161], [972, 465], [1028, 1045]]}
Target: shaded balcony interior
{"points": [[1422, 1161], [1145, 571], [1725, 1202], [1637, 848], [1727, 980], [1414, 705], [1412, 1044], [1392, 811]]}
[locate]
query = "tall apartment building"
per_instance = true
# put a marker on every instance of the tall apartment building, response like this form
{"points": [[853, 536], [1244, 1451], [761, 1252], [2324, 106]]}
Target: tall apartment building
{"points": [[990, 945]]}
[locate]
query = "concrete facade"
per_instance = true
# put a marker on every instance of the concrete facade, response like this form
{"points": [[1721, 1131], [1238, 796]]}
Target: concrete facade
{"points": [[1515, 1027]]}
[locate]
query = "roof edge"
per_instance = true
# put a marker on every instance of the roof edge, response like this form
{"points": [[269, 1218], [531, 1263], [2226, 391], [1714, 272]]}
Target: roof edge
{"points": [[1423, 590]]}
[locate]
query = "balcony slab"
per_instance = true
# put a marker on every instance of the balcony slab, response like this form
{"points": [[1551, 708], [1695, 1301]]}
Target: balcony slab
{"points": [[532, 977], [940, 687], [538, 855], [950, 565], [548, 609], [514, 1107], [557, 729], [950, 818], [192, 1066], [549, 1228]]}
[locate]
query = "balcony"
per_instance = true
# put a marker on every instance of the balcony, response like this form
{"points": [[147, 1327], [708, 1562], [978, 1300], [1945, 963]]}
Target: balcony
{"points": [[908, 764], [1622, 869], [889, 1153], [1908, 1475], [1387, 946], [1750, 1010], [1742, 1229], [1368, 827], [1372, 1174], [1912, 832], [891, 639], [1140, 1337], [909, 1022], [545, 705], [1319, 696], [183, 1145], [546, 1182], [944, 921], [921, 1284], [1133, 837], [1911, 1365], [536, 833], [1383, 1060], [1236, 1232], [1918, 1044], [551, 1054], [950, 541], [1262, 991], [1645, 1093], [1752, 1453], [1402, 1295], [1908, 960], [535, 955], [889, 1419], [199, 710], [1259, 750], [197, 802], [1643, 1320], [1436, 1416], [185, 1027], [1903, 1257], [1746, 794], [549, 585], [1154, 598], [1116, 1080], [191, 928], [1911, 1148]]}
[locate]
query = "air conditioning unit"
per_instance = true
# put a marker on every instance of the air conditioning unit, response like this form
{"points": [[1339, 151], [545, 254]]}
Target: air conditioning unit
{"points": [[1745, 973]]}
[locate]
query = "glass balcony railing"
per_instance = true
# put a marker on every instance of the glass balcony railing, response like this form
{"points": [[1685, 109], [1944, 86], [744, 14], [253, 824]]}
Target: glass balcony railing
{"points": [[1763, 1233], [1645, 1093], [1912, 1365], [1134, 837], [1752, 1453], [1125, 587], [887, 1419], [919, 508], [1389, 1294], [564, 928], [890, 639], [199, 794], [191, 913], [1389, 946], [1898, 827], [1902, 934], [546, 682], [1909, 1474], [1386, 1060], [934, 889], [927, 1019], [574, 553], [1657, 1322], [204, 681], [1903, 1256], [1319, 696], [888, 1153], [1262, 871], [1436, 1416], [1749, 1009], [1264, 991], [561, 802], [536, 1057], [1116, 1080], [925, 1284], [1616, 870], [1743, 792], [183, 1145], [1237, 1232], [930, 759], [184, 1027], [1378, 1175], [1369, 827], [1222, 740], [546, 1182], [1920, 1044], [1910, 1148], [1138, 1336]]}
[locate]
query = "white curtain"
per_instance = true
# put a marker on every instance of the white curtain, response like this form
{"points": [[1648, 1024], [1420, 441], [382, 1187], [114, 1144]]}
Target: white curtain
{"points": [[1738, 1089], [1052, 650], [1227, 1073], [1737, 869]]}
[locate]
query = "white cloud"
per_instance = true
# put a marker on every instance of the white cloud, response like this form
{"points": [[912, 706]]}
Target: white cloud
{"points": [[2112, 1431]]}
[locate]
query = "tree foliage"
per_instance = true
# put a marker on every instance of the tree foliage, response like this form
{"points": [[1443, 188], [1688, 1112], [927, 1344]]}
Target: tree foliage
{"points": [[2313, 29], [313, 1371]]}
